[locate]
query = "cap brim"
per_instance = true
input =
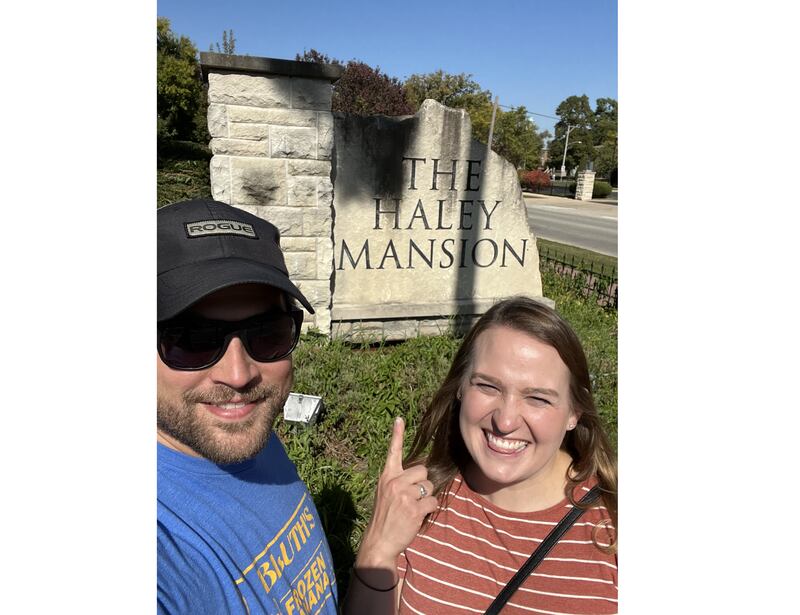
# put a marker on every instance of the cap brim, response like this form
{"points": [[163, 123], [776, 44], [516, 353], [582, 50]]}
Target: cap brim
{"points": [[180, 288]]}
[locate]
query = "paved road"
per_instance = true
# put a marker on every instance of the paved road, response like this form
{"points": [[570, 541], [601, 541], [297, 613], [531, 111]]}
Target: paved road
{"points": [[587, 224]]}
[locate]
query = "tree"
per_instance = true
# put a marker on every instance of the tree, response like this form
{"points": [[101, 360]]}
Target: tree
{"points": [[515, 136], [604, 132], [456, 91], [363, 90], [517, 139], [228, 44], [313, 55], [593, 137], [178, 84], [575, 112]]}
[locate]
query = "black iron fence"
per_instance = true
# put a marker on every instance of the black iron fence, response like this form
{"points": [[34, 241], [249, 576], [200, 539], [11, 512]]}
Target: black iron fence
{"points": [[584, 277], [553, 190]]}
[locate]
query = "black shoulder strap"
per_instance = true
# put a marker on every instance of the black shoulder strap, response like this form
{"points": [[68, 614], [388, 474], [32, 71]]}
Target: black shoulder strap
{"points": [[542, 550]]}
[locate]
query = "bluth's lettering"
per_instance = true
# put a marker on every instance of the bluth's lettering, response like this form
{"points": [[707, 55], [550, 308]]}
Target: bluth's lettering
{"points": [[309, 591], [283, 553]]}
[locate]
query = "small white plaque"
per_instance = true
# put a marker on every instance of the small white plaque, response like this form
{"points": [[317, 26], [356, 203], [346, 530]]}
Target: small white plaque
{"points": [[301, 408]]}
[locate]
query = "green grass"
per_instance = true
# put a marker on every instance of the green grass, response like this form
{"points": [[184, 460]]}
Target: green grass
{"points": [[579, 253]]}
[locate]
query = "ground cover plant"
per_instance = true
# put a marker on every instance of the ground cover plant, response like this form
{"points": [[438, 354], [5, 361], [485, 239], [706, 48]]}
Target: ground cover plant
{"points": [[365, 386]]}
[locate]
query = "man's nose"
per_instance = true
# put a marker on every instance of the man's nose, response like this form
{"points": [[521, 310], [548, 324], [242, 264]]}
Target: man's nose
{"points": [[236, 368]]}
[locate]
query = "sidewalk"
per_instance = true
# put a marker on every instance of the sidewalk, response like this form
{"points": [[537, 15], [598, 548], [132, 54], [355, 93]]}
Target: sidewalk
{"points": [[597, 207]]}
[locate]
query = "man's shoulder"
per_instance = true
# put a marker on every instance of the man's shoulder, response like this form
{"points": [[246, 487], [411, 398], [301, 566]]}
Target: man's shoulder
{"points": [[196, 493]]}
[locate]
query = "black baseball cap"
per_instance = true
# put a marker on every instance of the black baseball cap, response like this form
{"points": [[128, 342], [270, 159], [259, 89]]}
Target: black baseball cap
{"points": [[205, 246]]}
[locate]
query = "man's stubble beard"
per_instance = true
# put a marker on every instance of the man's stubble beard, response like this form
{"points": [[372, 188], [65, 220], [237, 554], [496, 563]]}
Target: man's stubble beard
{"points": [[219, 441]]}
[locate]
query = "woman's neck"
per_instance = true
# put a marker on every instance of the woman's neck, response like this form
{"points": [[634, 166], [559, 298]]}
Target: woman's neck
{"points": [[538, 492]]}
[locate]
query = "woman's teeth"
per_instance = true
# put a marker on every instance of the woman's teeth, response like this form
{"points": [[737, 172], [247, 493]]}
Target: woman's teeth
{"points": [[505, 445]]}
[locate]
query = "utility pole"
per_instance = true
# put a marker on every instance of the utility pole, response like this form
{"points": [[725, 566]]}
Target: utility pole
{"points": [[491, 126], [564, 157]]}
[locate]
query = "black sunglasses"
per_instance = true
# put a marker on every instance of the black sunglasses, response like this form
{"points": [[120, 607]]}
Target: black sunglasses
{"points": [[189, 342]]}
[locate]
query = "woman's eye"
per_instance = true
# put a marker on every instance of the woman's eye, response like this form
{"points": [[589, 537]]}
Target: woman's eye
{"points": [[539, 401], [483, 386]]}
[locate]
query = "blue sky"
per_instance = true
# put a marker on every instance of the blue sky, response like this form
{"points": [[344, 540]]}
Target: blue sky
{"points": [[532, 53]]}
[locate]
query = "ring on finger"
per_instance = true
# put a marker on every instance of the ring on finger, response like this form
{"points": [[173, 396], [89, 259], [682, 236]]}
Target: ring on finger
{"points": [[422, 491]]}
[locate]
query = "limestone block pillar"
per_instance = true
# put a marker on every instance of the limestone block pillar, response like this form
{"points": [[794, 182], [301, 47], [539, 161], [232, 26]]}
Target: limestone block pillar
{"points": [[584, 186], [272, 138]]}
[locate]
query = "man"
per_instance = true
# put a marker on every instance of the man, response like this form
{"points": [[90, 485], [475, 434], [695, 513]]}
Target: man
{"points": [[237, 529]]}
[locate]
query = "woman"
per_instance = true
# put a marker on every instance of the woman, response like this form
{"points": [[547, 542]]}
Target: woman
{"points": [[515, 441]]}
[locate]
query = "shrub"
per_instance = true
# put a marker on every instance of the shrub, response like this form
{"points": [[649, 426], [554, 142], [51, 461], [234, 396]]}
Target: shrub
{"points": [[364, 90], [601, 190], [534, 180]]}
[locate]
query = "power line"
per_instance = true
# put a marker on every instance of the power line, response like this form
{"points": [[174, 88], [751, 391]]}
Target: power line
{"points": [[530, 112]]}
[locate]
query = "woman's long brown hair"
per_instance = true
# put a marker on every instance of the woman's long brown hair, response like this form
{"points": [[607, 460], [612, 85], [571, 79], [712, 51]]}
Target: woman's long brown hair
{"points": [[587, 443]]}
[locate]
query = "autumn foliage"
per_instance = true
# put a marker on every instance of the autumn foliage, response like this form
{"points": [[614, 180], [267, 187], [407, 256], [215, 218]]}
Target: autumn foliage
{"points": [[363, 90], [533, 181]]}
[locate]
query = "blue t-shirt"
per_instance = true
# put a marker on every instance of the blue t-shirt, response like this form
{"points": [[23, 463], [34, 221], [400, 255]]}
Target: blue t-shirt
{"points": [[240, 538]]}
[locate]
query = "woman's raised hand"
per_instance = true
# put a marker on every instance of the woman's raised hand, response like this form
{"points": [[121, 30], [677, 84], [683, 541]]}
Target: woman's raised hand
{"points": [[402, 501]]}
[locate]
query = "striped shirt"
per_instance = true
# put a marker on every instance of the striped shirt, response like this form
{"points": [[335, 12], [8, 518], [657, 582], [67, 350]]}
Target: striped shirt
{"points": [[460, 563]]}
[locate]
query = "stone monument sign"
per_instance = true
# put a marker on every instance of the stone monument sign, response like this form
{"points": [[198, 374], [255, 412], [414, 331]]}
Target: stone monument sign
{"points": [[429, 225], [391, 227]]}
